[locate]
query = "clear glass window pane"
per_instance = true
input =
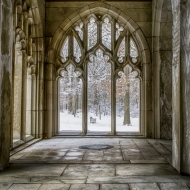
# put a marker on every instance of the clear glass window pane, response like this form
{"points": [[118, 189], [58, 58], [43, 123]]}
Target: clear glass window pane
{"points": [[133, 51], [121, 51], [127, 101], [106, 33], [77, 50], [65, 50], [99, 92], [92, 33], [70, 100]]}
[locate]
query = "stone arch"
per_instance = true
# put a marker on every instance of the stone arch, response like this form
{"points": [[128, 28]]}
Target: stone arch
{"points": [[105, 9], [55, 47]]}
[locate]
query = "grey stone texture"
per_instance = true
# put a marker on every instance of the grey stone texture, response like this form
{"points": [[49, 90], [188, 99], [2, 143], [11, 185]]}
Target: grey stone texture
{"points": [[90, 176], [6, 46], [185, 85], [166, 71], [162, 69], [180, 84], [165, 26]]}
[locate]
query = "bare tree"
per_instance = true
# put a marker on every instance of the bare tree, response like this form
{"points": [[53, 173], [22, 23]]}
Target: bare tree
{"points": [[127, 120]]}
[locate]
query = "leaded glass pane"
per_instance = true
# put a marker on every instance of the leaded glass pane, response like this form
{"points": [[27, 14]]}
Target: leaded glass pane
{"points": [[79, 29], [119, 29], [64, 51], [121, 51], [127, 101], [99, 92], [106, 33], [133, 51], [77, 50], [70, 100], [92, 33]]}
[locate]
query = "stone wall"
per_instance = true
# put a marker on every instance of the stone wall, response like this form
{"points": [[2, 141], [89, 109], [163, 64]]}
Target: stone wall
{"points": [[6, 41], [185, 76], [166, 71], [162, 68], [181, 85]]}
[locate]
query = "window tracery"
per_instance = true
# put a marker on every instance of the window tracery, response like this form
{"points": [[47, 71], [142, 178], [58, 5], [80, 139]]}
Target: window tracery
{"points": [[119, 29], [102, 55], [79, 29]]}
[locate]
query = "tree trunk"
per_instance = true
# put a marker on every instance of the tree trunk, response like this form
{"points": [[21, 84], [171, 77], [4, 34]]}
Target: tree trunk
{"points": [[99, 112], [127, 120]]}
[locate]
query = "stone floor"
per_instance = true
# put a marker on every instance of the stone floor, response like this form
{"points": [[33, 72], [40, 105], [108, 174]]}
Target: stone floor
{"points": [[58, 163]]}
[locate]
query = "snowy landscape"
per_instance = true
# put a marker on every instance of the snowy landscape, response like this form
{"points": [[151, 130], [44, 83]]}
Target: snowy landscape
{"points": [[70, 123], [99, 97]]}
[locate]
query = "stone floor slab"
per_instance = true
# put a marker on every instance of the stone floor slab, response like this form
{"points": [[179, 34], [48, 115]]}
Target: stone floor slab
{"points": [[134, 179], [186, 180], [33, 170], [114, 187], [5, 186], [145, 169], [86, 170], [163, 161], [144, 186], [173, 186], [25, 187], [84, 187], [54, 187]]}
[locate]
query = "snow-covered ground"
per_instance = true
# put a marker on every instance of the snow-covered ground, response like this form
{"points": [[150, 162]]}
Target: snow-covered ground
{"points": [[70, 123]]}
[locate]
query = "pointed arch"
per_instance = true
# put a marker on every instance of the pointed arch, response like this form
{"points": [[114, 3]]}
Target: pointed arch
{"points": [[143, 63]]}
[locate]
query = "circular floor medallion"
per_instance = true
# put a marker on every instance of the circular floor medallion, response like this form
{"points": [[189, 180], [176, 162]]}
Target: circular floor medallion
{"points": [[96, 146]]}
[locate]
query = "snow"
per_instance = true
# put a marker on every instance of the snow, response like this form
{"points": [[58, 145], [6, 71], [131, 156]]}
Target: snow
{"points": [[70, 123]]}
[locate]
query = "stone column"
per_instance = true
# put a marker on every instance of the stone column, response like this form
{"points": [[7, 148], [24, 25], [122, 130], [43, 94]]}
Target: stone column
{"points": [[50, 103], [181, 85], [6, 41]]}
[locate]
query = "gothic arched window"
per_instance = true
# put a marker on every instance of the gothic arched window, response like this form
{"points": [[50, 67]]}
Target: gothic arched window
{"points": [[99, 77]]}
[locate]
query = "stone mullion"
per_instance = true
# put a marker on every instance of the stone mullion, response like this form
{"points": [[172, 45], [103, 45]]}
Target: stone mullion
{"points": [[85, 99], [85, 85], [127, 46], [113, 35], [85, 37], [99, 32], [70, 49], [113, 102], [113, 84]]}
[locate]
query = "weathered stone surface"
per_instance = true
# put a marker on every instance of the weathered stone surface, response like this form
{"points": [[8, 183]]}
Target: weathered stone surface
{"points": [[166, 95], [6, 41], [185, 85]]}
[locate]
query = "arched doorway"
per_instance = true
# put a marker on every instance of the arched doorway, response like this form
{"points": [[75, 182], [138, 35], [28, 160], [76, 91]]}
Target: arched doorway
{"points": [[100, 78], [100, 54]]}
